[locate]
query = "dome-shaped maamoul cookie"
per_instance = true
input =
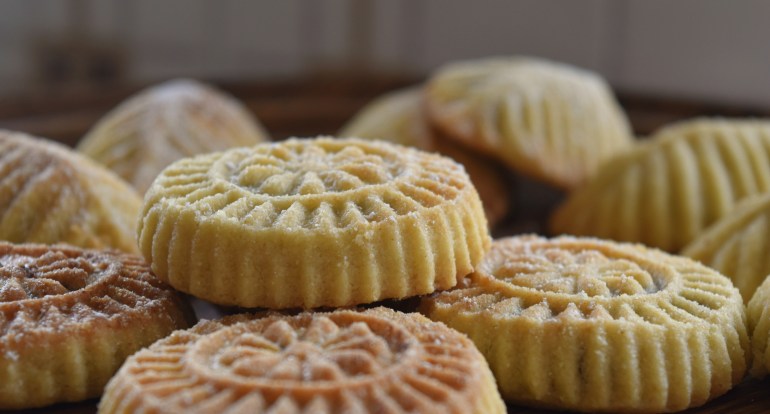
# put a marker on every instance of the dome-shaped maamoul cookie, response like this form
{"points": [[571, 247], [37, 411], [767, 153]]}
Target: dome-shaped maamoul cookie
{"points": [[377, 361], [49, 194], [667, 191], [314, 222], [589, 325], [552, 121], [69, 317], [398, 117], [167, 122], [758, 310], [738, 245]]}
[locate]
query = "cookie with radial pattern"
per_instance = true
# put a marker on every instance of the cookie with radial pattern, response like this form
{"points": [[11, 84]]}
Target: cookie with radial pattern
{"points": [[377, 361], [50, 194], [398, 117], [738, 244], [591, 325], [164, 123], [667, 191], [313, 222], [759, 327], [551, 121], [69, 318]]}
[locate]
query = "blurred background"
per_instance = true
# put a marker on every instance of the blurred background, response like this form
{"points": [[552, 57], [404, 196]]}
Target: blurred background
{"points": [[304, 67]]}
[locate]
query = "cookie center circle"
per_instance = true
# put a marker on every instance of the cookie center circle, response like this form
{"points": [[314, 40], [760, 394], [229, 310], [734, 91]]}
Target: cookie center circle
{"points": [[298, 353]]}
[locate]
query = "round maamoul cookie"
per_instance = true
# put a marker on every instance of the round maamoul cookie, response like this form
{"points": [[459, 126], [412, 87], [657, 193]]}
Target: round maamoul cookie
{"points": [[738, 244], [398, 117], [591, 325], [164, 123], [758, 311], [670, 189], [376, 361], [70, 317], [50, 194], [552, 121], [313, 222]]}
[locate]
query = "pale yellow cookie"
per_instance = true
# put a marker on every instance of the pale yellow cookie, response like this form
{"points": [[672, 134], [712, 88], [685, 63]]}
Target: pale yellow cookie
{"points": [[670, 189], [49, 194], [552, 121], [397, 117], [377, 361], [313, 222], [69, 317], [167, 122], [738, 245], [758, 311], [591, 325]]}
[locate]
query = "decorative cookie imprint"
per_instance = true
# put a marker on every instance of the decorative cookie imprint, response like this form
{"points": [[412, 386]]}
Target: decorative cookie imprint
{"points": [[588, 325], [377, 361], [167, 122], [308, 223], [552, 121], [759, 327], [398, 117], [69, 317], [668, 190], [49, 194]]}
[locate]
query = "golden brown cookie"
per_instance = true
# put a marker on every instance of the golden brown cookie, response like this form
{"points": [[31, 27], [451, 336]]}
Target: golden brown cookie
{"points": [[670, 189], [591, 325], [552, 121], [377, 361], [69, 317], [738, 245], [167, 122], [758, 311], [49, 194], [397, 117], [313, 222]]}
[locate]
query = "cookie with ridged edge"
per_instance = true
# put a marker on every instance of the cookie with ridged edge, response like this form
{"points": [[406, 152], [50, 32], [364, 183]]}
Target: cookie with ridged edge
{"points": [[758, 313], [591, 325], [313, 222], [738, 244], [69, 318], [376, 361], [50, 194], [398, 117], [164, 123], [551, 121], [670, 189]]}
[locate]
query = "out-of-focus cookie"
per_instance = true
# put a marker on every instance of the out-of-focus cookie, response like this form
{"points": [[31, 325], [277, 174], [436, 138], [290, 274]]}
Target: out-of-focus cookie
{"points": [[554, 122], [49, 194], [313, 222], [758, 311], [668, 190], [397, 117], [738, 245], [590, 325], [69, 317], [377, 361], [167, 122]]}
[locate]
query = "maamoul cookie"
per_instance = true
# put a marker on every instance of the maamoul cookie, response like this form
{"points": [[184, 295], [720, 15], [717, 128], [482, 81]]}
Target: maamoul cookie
{"points": [[758, 311], [398, 117], [313, 222], [49, 194], [552, 121], [668, 190], [69, 317], [377, 361], [591, 325], [167, 122], [738, 245]]}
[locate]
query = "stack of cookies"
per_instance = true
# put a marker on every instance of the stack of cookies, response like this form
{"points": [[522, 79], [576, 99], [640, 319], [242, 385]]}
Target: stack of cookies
{"points": [[313, 234]]}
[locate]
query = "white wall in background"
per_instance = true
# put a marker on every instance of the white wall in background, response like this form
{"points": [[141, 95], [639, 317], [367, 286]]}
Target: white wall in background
{"points": [[708, 49]]}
